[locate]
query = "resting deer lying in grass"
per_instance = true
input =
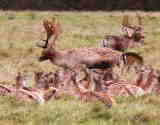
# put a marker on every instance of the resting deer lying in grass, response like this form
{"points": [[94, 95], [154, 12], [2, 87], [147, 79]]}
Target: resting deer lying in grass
{"points": [[134, 36], [40, 94], [149, 80], [125, 88]]}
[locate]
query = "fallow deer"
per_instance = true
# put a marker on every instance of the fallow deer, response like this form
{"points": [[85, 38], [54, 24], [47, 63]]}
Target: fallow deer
{"points": [[79, 58], [133, 37], [148, 80]]}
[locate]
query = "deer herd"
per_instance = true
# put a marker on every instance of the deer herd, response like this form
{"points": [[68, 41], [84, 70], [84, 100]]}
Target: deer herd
{"points": [[88, 73]]}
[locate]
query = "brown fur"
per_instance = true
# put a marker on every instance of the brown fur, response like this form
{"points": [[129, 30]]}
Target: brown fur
{"points": [[76, 59], [133, 37], [132, 59]]}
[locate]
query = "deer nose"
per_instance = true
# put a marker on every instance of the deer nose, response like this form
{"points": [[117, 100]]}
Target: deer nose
{"points": [[142, 37]]}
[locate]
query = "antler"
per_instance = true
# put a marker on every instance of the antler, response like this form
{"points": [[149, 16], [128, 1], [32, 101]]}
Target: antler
{"points": [[56, 28], [139, 18], [52, 27], [47, 26]]}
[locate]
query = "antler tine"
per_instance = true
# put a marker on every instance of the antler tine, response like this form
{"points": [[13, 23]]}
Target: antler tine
{"points": [[55, 29], [125, 21], [139, 18], [47, 26]]}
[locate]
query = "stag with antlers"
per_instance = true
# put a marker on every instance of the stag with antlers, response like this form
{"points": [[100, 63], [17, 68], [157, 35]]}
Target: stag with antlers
{"points": [[78, 58], [133, 37]]}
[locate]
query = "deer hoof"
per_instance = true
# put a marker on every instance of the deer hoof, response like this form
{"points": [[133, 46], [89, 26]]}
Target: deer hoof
{"points": [[108, 105]]}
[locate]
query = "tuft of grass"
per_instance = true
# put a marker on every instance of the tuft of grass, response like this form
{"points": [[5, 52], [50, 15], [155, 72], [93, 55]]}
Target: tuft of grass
{"points": [[69, 110]]}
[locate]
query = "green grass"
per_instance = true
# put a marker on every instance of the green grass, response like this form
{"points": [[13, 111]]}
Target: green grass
{"points": [[19, 33], [144, 110]]}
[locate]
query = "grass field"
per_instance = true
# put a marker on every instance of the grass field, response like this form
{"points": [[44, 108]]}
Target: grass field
{"points": [[19, 32]]}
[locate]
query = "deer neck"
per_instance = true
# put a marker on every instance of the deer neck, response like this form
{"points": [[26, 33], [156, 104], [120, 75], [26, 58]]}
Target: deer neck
{"points": [[137, 38], [57, 57], [53, 54]]}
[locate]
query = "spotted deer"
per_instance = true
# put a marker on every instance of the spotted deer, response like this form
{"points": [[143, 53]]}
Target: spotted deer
{"points": [[78, 58], [133, 36], [148, 79]]}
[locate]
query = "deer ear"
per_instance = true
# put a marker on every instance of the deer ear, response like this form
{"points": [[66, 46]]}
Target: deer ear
{"points": [[127, 30]]}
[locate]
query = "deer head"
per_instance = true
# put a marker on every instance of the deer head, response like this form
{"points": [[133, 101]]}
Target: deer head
{"points": [[41, 80], [20, 80], [52, 28], [133, 31]]}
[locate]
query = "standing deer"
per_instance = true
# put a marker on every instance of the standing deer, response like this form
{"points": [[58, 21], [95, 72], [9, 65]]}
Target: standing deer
{"points": [[78, 58], [133, 37]]}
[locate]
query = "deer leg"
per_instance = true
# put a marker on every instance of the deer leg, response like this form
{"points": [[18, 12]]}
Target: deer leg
{"points": [[92, 81], [73, 78], [105, 98], [123, 70]]}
